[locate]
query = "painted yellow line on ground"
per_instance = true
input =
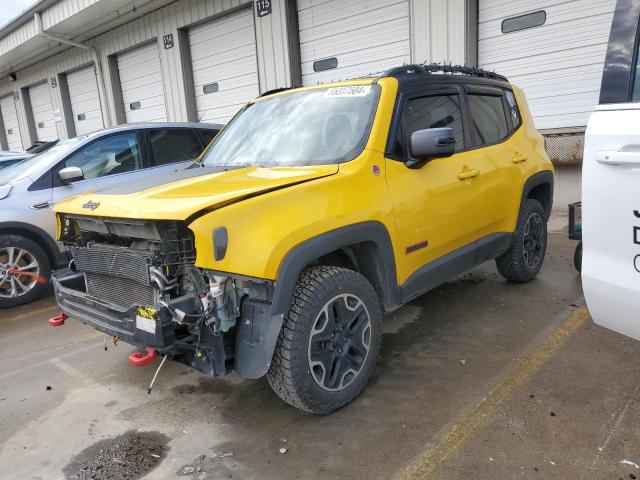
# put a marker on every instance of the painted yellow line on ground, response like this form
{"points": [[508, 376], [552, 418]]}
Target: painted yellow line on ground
{"points": [[442, 449]]}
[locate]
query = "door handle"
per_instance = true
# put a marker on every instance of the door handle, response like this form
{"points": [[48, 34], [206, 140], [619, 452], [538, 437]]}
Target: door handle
{"points": [[466, 173], [618, 157], [519, 158], [40, 206]]}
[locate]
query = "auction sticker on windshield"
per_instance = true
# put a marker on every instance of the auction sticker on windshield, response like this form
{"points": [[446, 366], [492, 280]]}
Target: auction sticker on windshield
{"points": [[355, 91]]}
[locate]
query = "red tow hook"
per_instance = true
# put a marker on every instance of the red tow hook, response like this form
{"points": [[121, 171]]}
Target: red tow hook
{"points": [[140, 360], [58, 321]]}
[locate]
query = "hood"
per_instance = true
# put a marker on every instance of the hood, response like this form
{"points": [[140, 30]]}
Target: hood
{"points": [[184, 193]]}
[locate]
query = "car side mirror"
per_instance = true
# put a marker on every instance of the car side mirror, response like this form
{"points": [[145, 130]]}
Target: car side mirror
{"points": [[70, 174], [430, 143]]}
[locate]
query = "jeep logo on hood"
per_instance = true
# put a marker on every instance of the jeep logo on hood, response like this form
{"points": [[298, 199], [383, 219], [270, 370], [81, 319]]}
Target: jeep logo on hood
{"points": [[91, 205]]}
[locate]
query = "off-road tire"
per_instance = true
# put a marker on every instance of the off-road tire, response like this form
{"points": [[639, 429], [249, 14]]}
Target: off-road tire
{"points": [[290, 374], [39, 254], [512, 264]]}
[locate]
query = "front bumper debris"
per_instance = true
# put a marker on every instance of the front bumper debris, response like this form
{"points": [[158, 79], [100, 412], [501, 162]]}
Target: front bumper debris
{"points": [[144, 326]]}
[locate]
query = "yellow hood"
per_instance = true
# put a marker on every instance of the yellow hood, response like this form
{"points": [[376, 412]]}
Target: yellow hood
{"points": [[183, 193]]}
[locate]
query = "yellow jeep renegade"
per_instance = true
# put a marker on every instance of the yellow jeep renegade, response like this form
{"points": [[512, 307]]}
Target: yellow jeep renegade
{"points": [[314, 211]]}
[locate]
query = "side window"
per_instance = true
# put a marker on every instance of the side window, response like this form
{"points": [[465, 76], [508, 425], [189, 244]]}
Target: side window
{"points": [[513, 108], [108, 156], [174, 145], [488, 119], [207, 136], [434, 111]]}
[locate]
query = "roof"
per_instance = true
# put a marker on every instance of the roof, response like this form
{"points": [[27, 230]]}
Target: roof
{"points": [[149, 125]]}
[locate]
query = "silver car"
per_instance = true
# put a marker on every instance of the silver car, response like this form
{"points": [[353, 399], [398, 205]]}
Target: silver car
{"points": [[28, 250]]}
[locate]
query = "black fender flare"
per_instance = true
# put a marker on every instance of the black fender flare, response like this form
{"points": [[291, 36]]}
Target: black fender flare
{"points": [[38, 235], [253, 361], [541, 178]]}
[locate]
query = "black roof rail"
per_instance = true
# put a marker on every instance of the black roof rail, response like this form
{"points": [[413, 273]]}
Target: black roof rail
{"points": [[443, 68]]}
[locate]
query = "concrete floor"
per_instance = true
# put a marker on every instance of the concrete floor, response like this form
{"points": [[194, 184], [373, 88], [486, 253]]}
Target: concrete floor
{"points": [[443, 403]]}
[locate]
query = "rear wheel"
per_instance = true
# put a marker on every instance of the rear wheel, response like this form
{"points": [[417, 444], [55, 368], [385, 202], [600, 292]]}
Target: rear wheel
{"points": [[24, 270], [523, 260], [330, 341], [577, 257]]}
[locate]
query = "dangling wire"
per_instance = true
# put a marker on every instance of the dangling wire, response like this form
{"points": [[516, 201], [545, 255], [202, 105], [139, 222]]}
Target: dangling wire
{"points": [[155, 375]]}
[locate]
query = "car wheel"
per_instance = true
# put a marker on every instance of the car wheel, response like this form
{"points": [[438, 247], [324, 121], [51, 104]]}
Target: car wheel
{"points": [[24, 270], [523, 260], [577, 257], [330, 340]]}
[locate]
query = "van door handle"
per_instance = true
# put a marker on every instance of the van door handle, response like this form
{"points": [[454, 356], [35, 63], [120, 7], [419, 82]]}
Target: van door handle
{"points": [[619, 157], [519, 158], [466, 173]]}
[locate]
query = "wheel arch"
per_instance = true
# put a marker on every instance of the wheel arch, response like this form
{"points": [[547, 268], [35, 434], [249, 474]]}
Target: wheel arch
{"points": [[365, 247], [347, 245], [36, 234], [539, 187]]}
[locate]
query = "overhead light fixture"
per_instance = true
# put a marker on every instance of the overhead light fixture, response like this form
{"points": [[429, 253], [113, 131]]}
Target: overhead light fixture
{"points": [[13, 76]]}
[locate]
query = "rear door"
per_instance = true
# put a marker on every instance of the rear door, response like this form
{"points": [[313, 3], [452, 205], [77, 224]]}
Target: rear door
{"points": [[611, 185], [173, 148]]}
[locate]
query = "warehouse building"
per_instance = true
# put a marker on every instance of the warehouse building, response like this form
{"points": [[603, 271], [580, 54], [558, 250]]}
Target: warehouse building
{"points": [[70, 67]]}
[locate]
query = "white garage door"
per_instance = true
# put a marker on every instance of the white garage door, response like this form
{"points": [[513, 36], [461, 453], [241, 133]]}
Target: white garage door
{"points": [[342, 39], [85, 100], [559, 63], [225, 66], [42, 109], [142, 86], [10, 121]]}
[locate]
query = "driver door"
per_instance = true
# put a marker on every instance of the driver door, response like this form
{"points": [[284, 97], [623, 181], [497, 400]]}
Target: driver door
{"points": [[437, 204]]}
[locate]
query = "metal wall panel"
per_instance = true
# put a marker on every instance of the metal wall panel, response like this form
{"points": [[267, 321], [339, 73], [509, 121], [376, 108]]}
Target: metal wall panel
{"points": [[224, 77], [558, 64]]}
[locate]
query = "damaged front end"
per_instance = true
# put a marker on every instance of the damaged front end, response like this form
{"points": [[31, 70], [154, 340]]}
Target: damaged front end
{"points": [[137, 281]]}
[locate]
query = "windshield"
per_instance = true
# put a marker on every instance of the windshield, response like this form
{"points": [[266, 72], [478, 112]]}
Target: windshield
{"points": [[313, 127], [34, 164]]}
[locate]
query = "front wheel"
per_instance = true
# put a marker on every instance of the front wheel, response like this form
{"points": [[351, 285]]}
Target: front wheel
{"points": [[523, 260], [330, 340], [24, 270]]}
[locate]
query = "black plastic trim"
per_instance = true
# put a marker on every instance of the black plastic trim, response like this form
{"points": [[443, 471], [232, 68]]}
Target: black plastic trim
{"points": [[541, 178], [220, 242], [305, 253]]}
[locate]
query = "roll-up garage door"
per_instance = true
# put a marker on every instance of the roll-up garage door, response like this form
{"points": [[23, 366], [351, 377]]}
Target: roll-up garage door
{"points": [[85, 100], [10, 121], [42, 109], [142, 86], [342, 39], [225, 65], [553, 49]]}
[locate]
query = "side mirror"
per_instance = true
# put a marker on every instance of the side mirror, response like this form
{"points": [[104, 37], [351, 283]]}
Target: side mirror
{"points": [[70, 174], [430, 143]]}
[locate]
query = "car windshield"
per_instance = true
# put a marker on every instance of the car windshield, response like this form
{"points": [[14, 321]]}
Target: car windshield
{"points": [[312, 127], [34, 164]]}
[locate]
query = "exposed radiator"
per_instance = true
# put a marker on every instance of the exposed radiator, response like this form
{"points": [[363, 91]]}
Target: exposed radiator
{"points": [[121, 262], [120, 291]]}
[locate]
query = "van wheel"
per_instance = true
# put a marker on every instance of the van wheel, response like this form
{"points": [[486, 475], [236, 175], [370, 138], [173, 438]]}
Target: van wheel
{"points": [[522, 262], [24, 271], [330, 340]]}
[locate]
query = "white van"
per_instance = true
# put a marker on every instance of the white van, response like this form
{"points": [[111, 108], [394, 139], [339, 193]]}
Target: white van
{"points": [[611, 184]]}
